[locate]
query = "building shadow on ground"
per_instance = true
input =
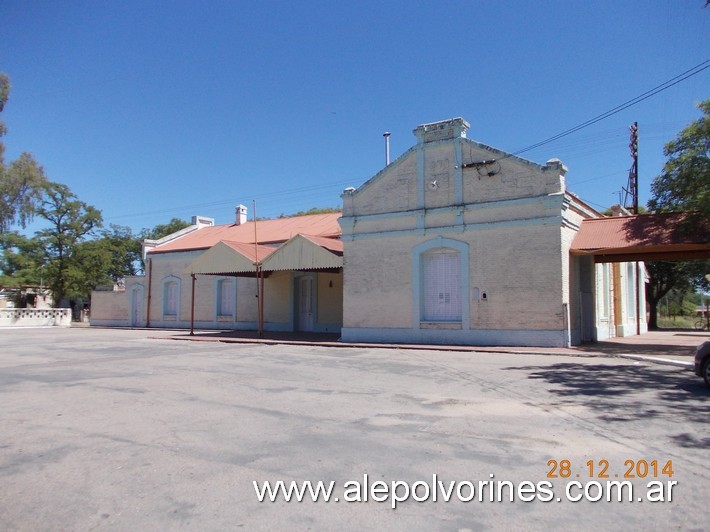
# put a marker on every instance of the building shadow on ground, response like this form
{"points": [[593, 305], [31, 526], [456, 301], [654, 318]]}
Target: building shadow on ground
{"points": [[632, 393], [654, 349], [286, 337]]}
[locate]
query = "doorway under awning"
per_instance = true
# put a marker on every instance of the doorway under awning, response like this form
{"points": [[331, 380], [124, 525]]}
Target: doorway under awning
{"points": [[306, 253], [301, 253]]}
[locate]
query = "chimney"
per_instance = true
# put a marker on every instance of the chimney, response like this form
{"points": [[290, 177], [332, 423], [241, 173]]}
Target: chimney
{"points": [[619, 210], [202, 221], [386, 135], [241, 215]]}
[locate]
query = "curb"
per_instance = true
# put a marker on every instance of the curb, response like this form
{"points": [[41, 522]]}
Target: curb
{"points": [[657, 360], [428, 347]]}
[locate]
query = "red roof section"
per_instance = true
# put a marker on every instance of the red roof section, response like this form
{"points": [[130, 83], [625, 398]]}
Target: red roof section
{"points": [[268, 231], [642, 230], [336, 246], [249, 251]]}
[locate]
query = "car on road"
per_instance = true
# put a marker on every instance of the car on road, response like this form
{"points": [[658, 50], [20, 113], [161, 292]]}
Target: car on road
{"points": [[702, 361]]}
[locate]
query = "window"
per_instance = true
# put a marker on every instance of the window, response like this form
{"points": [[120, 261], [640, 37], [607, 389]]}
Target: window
{"points": [[171, 297], [441, 285], [225, 297]]}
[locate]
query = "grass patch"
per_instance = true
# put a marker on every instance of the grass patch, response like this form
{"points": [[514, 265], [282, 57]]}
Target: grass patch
{"points": [[678, 322]]}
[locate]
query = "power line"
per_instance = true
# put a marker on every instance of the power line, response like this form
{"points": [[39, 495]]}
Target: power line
{"points": [[629, 103], [289, 192], [641, 97]]}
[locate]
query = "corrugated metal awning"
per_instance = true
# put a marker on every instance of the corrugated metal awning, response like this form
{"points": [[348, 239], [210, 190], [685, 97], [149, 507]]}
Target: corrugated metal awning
{"points": [[305, 253], [643, 237], [226, 258], [297, 254]]}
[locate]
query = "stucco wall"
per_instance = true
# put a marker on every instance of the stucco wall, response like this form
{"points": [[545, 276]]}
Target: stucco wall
{"points": [[506, 214], [115, 308], [278, 297], [167, 267], [377, 282], [434, 175], [330, 300], [518, 268], [109, 306], [35, 317]]}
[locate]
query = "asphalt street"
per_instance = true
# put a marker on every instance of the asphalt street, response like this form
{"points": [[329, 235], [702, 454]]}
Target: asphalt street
{"points": [[114, 430]]}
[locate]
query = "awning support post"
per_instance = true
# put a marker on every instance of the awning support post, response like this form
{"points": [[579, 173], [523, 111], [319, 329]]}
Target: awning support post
{"points": [[261, 304], [192, 309]]}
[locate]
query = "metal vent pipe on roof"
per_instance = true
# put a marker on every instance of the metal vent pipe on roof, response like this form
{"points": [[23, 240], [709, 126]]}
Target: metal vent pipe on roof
{"points": [[386, 135]]}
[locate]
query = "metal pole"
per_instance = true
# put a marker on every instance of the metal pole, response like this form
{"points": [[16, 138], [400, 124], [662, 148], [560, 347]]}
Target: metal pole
{"points": [[639, 285], [386, 135], [636, 167], [150, 286], [192, 310], [635, 153], [259, 303], [261, 308]]}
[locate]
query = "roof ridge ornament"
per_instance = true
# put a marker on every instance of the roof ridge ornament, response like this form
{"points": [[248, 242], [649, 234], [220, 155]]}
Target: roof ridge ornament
{"points": [[442, 130]]}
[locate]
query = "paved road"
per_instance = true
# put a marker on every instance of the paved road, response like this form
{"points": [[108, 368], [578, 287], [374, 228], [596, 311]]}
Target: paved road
{"points": [[111, 430]]}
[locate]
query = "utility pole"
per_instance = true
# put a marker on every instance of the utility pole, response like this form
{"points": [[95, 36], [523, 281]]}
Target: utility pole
{"points": [[259, 288], [634, 173], [634, 188]]}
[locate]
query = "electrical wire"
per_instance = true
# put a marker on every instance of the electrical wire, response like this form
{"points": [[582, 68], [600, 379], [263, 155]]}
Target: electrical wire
{"points": [[641, 97], [288, 192], [629, 103]]}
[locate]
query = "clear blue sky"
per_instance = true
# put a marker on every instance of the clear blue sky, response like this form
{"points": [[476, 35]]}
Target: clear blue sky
{"points": [[150, 110]]}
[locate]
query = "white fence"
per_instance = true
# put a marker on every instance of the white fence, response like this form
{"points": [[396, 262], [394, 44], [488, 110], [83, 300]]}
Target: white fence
{"points": [[35, 317]]}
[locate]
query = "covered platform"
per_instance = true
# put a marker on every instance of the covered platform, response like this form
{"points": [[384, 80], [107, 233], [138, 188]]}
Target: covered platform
{"points": [[643, 237]]}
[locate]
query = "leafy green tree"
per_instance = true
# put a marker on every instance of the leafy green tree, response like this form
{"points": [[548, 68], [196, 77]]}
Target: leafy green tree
{"points": [[683, 186], [666, 276], [69, 268], [124, 249], [21, 181], [314, 210], [4, 96], [89, 266], [21, 261]]}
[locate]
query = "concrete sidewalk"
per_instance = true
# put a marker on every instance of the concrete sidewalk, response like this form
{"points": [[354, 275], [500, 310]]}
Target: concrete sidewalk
{"points": [[670, 347]]}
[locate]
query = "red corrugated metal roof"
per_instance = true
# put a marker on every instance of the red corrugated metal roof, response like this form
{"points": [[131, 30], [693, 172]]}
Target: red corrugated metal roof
{"points": [[637, 231], [330, 244], [249, 251], [672, 236], [268, 231]]}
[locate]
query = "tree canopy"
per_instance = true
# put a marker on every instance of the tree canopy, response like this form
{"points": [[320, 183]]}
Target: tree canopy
{"points": [[21, 181], [314, 210], [684, 184], [71, 267]]}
